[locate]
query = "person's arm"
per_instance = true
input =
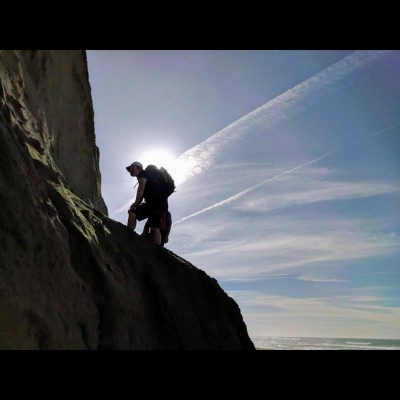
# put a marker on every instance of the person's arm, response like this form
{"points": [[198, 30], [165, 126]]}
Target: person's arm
{"points": [[140, 192]]}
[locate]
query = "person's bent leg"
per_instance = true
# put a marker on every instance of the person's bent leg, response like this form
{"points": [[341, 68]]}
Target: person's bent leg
{"points": [[156, 235], [167, 228], [132, 220]]}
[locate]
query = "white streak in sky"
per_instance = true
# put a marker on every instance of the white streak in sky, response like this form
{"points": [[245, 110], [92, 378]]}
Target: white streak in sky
{"points": [[276, 110], [243, 192], [384, 130], [250, 189]]}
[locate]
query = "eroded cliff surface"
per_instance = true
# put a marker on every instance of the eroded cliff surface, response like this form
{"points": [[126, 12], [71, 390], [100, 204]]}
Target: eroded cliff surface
{"points": [[70, 277]]}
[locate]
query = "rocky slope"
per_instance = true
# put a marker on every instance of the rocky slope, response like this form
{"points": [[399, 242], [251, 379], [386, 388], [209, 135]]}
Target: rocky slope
{"points": [[70, 277]]}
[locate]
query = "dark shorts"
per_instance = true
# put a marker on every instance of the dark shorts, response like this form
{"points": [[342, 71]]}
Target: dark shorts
{"points": [[152, 211]]}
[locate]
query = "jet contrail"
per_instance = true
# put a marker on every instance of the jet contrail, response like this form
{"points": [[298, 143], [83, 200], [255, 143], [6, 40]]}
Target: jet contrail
{"points": [[383, 130], [201, 156], [250, 189]]}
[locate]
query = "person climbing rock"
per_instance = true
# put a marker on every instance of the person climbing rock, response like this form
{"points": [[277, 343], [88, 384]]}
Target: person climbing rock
{"points": [[150, 190]]}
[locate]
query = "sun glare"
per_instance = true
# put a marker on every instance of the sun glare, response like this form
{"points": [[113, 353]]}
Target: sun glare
{"points": [[178, 169]]}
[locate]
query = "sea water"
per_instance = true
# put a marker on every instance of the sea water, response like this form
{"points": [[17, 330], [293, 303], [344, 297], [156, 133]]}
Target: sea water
{"points": [[300, 343]]}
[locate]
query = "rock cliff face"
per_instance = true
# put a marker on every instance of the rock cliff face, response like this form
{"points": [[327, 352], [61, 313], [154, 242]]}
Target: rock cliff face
{"points": [[70, 277]]}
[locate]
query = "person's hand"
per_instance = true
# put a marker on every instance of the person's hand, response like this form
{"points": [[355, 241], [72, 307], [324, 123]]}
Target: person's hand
{"points": [[133, 207]]}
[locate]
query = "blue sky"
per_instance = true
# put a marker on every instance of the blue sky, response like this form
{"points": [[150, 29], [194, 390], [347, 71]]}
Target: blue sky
{"points": [[289, 175]]}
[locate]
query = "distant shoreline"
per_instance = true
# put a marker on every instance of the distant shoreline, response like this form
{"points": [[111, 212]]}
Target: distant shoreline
{"points": [[304, 343]]}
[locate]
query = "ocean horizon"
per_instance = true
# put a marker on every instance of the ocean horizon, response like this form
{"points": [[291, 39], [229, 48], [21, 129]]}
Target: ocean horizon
{"points": [[309, 343]]}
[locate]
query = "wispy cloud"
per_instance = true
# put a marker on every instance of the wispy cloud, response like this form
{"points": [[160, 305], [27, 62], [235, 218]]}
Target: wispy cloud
{"points": [[242, 242], [201, 156], [286, 245], [298, 191], [319, 277], [351, 315], [306, 305], [237, 196], [244, 192]]}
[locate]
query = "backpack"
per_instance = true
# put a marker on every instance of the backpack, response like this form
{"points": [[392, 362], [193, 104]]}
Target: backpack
{"points": [[165, 179]]}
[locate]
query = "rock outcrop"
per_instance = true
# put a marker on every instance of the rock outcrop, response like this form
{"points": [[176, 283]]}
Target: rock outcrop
{"points": [[70, 277]]}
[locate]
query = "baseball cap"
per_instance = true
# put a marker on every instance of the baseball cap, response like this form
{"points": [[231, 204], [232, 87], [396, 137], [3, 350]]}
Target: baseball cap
{"points": [[137, 163]]}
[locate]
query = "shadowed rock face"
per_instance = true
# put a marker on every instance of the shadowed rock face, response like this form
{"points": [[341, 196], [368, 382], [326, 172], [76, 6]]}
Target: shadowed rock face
{"points": [[70, 277]]}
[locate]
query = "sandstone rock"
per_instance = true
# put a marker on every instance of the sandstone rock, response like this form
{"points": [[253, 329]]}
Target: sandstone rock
{"points": [[70, 277]]}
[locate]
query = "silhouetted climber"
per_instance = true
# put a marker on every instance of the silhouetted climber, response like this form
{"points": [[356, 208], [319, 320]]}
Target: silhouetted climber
{"points": [[150, 190]]}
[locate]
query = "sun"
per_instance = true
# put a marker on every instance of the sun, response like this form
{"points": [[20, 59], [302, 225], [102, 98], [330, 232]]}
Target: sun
{"points": [[178, 169]]}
